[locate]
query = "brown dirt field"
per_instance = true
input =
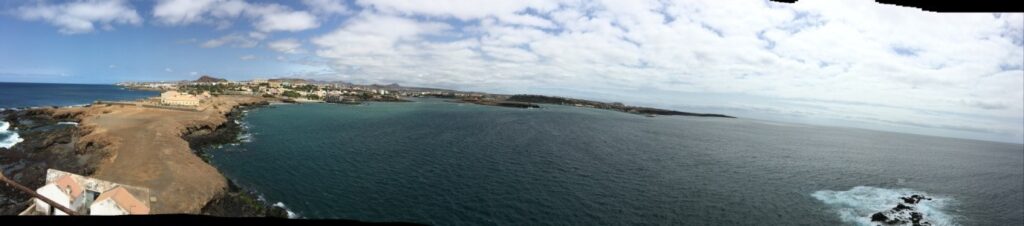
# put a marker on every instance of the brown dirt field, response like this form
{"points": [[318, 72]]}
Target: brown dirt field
{"points": [[146, 149]]}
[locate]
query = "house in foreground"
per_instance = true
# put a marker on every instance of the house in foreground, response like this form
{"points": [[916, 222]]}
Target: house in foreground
{"points": [[88, 196]]}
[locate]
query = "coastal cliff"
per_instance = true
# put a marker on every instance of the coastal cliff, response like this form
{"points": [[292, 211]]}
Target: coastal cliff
{"points": [[48, 143], [146, 149], [95, 140]]}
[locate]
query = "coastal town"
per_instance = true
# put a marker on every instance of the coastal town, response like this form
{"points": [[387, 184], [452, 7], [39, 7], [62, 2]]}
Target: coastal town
{"points": [[290, 90], [189, 93]]}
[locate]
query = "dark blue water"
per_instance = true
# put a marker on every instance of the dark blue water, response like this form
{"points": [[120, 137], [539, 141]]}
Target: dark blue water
{"points": [[18, 95], [21, 95], [458, 164]]}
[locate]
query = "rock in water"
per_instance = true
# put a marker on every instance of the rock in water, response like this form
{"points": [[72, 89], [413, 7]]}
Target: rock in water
{"points": [[904, 213], [879, 217]]}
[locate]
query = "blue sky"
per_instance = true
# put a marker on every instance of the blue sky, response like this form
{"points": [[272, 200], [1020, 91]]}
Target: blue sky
{"points": [[847, 63], [141, 52]]}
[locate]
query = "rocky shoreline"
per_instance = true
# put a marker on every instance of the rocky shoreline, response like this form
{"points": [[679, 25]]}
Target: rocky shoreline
{"points": [[236, 201], [47, 143]]}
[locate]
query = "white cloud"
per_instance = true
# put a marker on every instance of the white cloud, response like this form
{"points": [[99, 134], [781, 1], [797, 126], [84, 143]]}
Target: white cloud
{"points": [[278, 18], [326, 6], [289, 46], [247, 57], [968, 71], [265, 17], [81, 16], [506, 11], [233, 40], [168, 70], [180, 12]]}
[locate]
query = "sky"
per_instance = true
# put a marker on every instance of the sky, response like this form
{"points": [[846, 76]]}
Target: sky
{"points": [[851, 63]]}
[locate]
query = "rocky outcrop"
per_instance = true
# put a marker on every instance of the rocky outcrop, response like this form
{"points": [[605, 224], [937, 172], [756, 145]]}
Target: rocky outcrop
{"points": [[47, 144], [130, 145], [146, 148], [237, 202], [904, 213]]}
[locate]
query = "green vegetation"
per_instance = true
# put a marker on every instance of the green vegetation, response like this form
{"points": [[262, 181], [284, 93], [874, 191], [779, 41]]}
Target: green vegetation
{"points": [[198, 89], [312, 97], [291, 94]]}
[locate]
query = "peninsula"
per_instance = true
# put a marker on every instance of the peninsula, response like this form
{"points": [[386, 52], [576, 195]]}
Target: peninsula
{"points": [[153, 143], [137, 143]]}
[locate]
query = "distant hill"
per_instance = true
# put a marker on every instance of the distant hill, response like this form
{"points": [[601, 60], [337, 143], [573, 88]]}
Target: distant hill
{"points": [[289, 80], [209, 79], [602, 105]]}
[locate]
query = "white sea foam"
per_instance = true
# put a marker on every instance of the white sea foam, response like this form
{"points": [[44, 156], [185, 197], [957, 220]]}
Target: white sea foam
{"points": [[10, 137], [68, 123], [244, 137], [856, 205], [291, 215]]}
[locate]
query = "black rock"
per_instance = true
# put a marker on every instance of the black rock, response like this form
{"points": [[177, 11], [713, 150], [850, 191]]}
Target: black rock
{"points": [[879, 216], [916, 217], [903, 213], [901, 207]]}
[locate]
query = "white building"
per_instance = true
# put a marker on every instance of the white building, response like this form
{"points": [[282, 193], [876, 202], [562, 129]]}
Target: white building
{"points": [[55, 194], [82, 195], [178, 98], [117, 201]]}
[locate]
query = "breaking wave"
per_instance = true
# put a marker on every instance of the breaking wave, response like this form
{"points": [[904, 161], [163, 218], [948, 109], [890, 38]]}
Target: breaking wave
{"points": [[244, 137], [291, 215], [856, 205], [8, 138]]}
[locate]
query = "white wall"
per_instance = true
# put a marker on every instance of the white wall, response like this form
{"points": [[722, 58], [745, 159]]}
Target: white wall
{"points": [[55, 194], [106, 207]]}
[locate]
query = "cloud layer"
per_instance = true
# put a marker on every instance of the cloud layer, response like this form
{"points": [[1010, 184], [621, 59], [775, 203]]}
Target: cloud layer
{"points": [[851, 60], [81, 16], [265, 17]]}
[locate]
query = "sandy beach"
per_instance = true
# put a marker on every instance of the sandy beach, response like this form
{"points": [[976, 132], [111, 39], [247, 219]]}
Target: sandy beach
{"points": [[145, 148]]}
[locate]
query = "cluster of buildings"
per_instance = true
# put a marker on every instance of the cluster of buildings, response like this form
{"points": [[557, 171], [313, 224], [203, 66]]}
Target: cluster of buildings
{"points": [[182, 99], [175, 93], [88, 196]]}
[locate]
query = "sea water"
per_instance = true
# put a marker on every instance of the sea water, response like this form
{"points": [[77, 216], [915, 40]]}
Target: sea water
{"points": [[444, 163]]}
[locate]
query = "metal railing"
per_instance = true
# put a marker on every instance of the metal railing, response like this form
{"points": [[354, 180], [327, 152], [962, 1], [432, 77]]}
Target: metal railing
{"points": [[36, 195]]}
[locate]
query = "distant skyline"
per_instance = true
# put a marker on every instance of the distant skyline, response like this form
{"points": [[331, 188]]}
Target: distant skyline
{"points": [[849, 63]]}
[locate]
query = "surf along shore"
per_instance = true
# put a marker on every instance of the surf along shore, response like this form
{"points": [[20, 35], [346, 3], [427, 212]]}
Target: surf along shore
{"points": [[134, 145]]}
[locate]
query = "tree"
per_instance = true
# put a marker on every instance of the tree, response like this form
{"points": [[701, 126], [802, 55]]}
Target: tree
{"points": [[291, 94], [312, 97]]}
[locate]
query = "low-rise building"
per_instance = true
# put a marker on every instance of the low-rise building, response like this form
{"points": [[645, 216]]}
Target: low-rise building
{"points": [[88, 196], [55, 194], [178, 98], [117, 201]]}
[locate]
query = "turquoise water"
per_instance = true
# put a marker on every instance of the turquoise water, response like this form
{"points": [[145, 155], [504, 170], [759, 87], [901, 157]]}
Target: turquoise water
{"points": [[458, 164]]}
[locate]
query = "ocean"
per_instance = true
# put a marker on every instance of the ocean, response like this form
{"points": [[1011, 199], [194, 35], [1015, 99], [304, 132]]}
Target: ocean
{"points": [[444, 163], [23, 95], [18, 95]]}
